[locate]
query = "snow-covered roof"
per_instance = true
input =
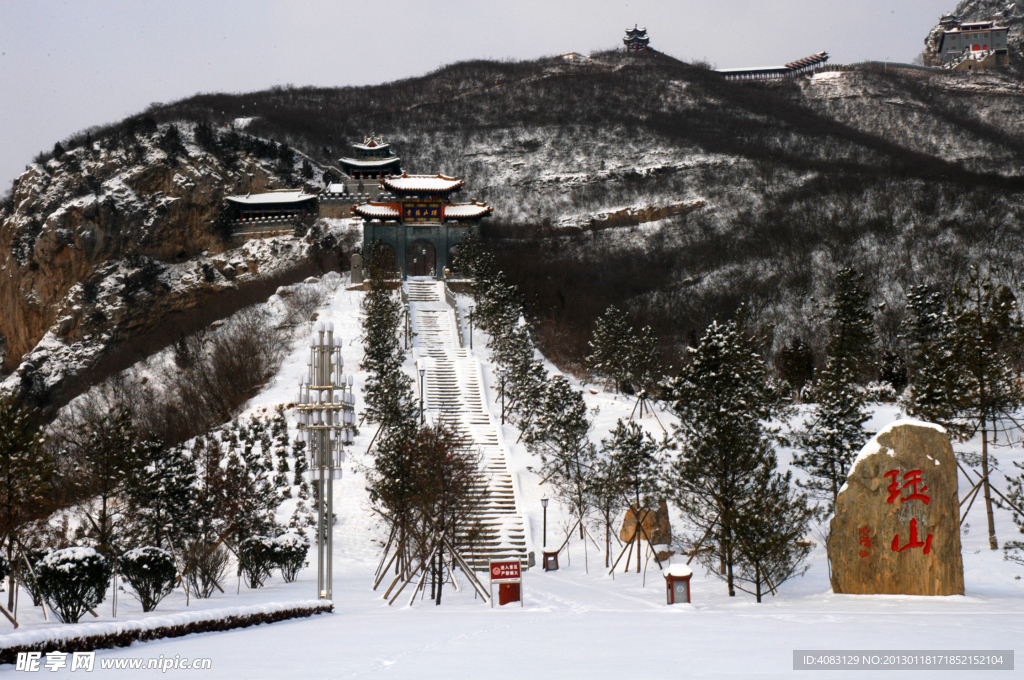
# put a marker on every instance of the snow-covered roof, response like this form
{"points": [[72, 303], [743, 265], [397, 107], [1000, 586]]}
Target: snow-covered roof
{"points": [[467, 210], [377, 210], [370, 162], [436, 183], [336, 188], [297, 196], [678, 570]]}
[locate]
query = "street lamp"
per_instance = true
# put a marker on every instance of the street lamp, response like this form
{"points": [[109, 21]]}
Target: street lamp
{"points": [[544, 504], [471, 309], [423, 373], [326, 415]]}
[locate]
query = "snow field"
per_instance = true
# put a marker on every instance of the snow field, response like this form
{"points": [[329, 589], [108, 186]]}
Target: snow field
{"points": [[577, 622]]}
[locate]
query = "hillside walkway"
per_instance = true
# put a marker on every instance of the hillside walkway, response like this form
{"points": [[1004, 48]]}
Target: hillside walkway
{"points": [[455, 393]]}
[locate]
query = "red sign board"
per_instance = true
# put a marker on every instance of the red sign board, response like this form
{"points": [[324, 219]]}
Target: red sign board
{"points": [[507, 571]]}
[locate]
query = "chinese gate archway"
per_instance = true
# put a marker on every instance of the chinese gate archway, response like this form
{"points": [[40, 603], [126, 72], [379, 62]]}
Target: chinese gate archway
{"points": [[421, 258]]}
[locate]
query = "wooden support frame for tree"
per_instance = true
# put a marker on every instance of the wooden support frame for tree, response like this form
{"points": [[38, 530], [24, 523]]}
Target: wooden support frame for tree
{"points": [[639, 534]]}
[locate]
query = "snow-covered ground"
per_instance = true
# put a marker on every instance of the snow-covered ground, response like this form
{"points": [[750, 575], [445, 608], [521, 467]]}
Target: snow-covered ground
{"points": [[577, 622]]}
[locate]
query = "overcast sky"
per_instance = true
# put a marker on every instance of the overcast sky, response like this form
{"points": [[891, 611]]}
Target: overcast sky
{"points": [[65, 66]]}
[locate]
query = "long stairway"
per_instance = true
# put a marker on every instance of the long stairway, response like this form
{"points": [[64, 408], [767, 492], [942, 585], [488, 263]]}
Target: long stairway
{"points": [[454, 392]]}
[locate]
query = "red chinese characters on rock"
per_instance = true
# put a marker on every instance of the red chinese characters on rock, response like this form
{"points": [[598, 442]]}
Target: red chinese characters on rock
{"points": [[865, 540], [912, 480]]}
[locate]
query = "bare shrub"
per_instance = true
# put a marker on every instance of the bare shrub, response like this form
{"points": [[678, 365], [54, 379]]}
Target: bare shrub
{"points": [[205, 568], [303, 300]]}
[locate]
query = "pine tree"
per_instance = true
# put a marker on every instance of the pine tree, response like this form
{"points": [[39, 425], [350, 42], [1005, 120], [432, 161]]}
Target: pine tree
{"points": [[770, 547], [610, 347], [794, 364], [929, 336], [835, 434], [26, 470], [608, 499], [987, 334], [643, 360], [636, 461], [162, 497], [851, 326], [561, 436], [724, 401]]}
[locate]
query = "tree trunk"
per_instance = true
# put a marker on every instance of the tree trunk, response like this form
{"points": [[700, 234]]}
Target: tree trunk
{"points": [[992, 542], [757, 581]]}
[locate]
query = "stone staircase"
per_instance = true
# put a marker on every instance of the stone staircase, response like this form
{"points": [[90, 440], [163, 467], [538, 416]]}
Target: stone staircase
{"points": [[454, 392]]}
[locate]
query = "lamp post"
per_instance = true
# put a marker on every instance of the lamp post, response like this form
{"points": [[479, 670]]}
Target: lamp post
{"points": [[326, 415], [544, 504], [423, 373], [471, 310]]}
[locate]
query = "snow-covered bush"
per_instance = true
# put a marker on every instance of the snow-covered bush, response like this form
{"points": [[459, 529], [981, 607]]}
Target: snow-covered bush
{"points": [[256, 559], [73, 581], [290, 554], [151, 573], [27, 576], [879, 392]]}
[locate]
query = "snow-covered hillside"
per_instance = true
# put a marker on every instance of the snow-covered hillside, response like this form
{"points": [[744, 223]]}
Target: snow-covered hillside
{"points": [[578, 621]]}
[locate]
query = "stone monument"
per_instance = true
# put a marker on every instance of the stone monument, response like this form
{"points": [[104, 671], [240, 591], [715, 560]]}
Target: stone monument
{"points": [[896, 528], [357, 268]]}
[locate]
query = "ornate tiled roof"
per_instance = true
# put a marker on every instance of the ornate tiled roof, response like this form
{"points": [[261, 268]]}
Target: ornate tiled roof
{"points": [[423, 183], [466, 210], [377, 210]]}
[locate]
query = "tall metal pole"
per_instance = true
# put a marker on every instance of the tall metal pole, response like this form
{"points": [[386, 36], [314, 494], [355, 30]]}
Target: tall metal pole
{"points": [[423, 373], [326, 414], [471, 328]]}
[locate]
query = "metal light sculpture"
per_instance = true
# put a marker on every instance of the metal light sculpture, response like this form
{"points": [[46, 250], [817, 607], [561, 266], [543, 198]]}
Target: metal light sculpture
{"points": [[326, 413]]}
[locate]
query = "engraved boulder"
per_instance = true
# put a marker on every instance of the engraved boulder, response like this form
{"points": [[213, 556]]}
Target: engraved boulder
{"points": [[896, 528]]}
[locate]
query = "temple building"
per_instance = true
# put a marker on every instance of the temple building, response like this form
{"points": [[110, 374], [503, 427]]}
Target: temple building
{"points": [[421, 226], [374, 159], [282, 205], [636, 39], [978, 44], [371, 161]]}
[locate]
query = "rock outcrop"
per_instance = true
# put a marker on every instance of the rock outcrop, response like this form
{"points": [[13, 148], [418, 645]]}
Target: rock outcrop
{"points": [[896, 528], [107, 242], [656, 524]]}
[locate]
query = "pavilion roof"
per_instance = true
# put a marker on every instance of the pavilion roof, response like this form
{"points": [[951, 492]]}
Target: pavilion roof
{"points": [[377, 210], [423, 183], [466, 210], [371, 162], [270, 197]]}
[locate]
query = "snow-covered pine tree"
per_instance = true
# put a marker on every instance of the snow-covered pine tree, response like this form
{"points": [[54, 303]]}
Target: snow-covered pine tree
{"points": [[383, 355], [643, 360], [1014, 550], [834, 434], [851, 326], [26, 470], [109, 457], [770, 547], [724, 402], [637, 462], [987, 337], [794, 365], [611, 348], [608, 499], [561, 436], [929, 336], [162, 497]]}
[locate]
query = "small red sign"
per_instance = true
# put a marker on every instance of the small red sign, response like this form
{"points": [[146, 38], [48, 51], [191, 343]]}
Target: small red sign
{"points": [[505, 571]]}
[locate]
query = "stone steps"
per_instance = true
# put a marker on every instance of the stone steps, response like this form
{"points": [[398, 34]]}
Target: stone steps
{"points": [[453, 391]]}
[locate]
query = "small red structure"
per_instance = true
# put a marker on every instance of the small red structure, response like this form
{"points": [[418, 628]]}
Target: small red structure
{"points": [[508, 575], [677, 584], [550, 560]]}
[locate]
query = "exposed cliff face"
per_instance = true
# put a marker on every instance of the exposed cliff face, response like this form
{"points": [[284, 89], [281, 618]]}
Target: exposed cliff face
{"points": [[107, 241]]}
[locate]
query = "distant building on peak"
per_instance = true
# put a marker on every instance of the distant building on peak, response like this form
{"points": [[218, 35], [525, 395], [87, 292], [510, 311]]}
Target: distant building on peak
{"points": [[636, 39], [964, 46]]}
